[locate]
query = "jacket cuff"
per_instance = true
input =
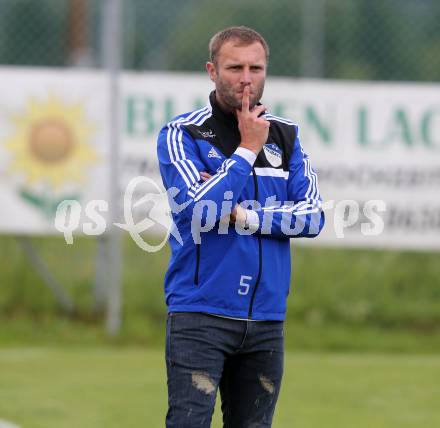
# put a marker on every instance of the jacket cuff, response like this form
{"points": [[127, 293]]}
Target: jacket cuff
{"points": [[247, 154]]}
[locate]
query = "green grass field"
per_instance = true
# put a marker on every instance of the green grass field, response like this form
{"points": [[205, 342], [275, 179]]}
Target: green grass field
{"points": [[340, 299], [110, 387], [362, 334]]}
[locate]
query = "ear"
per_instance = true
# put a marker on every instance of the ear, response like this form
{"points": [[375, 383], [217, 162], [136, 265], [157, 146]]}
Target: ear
{"points": [[212, 72]]}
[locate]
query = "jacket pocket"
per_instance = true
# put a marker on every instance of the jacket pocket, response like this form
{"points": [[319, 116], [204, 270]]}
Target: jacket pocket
{"points": [[196, 272]]}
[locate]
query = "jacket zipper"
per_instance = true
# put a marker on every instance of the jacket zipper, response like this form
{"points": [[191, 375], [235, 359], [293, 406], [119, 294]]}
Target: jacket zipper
{"points": [[260, 251], [196, 273]]}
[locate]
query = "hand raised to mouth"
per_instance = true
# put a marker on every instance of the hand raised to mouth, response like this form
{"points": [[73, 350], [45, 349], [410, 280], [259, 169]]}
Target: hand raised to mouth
{"points": [[254, 130]]}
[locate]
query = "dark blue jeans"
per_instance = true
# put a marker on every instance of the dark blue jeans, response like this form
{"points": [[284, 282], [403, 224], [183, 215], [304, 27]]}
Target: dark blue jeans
{"points": [[244, 359]]}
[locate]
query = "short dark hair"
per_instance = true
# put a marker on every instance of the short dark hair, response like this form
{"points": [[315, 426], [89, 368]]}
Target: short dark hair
{"points": [[243, 35]]}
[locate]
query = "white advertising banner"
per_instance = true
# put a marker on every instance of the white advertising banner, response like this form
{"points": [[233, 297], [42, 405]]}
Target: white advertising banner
{"points": [[375, 146]]}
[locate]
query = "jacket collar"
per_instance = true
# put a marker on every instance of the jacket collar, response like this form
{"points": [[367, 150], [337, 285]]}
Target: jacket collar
{"points": [[218, 112]]}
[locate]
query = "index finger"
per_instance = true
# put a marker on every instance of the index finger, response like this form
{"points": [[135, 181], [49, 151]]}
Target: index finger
{"points": [[245, 100]]}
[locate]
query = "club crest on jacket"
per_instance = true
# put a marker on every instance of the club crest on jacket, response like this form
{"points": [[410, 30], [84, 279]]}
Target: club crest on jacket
{"points": [[273, 154]]}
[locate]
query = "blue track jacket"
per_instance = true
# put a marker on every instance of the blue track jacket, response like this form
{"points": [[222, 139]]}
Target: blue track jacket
{"points": [[222, 268]]}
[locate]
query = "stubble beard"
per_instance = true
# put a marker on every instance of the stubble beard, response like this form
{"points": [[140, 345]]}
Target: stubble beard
{"points": [[228, 97]]}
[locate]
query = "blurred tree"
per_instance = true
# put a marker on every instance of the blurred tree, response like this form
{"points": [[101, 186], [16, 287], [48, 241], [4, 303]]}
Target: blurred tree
{"points": [[33, 32], [363, 39], [381, 40], [79, 52], [429, 51], [279, 22]]}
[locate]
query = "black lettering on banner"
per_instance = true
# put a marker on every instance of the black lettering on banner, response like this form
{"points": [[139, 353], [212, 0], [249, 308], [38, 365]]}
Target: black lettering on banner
{"points": [[408, 219], [367, 176], [422, 219]]}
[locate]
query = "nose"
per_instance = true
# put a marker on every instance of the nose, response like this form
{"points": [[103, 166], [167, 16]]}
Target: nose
{"points": [[245, 76]]}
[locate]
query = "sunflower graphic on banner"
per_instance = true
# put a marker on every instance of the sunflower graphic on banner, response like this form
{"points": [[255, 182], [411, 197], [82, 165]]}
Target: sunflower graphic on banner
{"points": [[54, 146], [50, 151]]}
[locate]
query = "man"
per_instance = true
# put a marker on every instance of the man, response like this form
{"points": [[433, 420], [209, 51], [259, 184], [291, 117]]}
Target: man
{"points": [[242, 186]]}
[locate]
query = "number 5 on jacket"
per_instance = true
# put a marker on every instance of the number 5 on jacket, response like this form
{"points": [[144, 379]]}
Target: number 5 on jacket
{"points": [[244, 287]]}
